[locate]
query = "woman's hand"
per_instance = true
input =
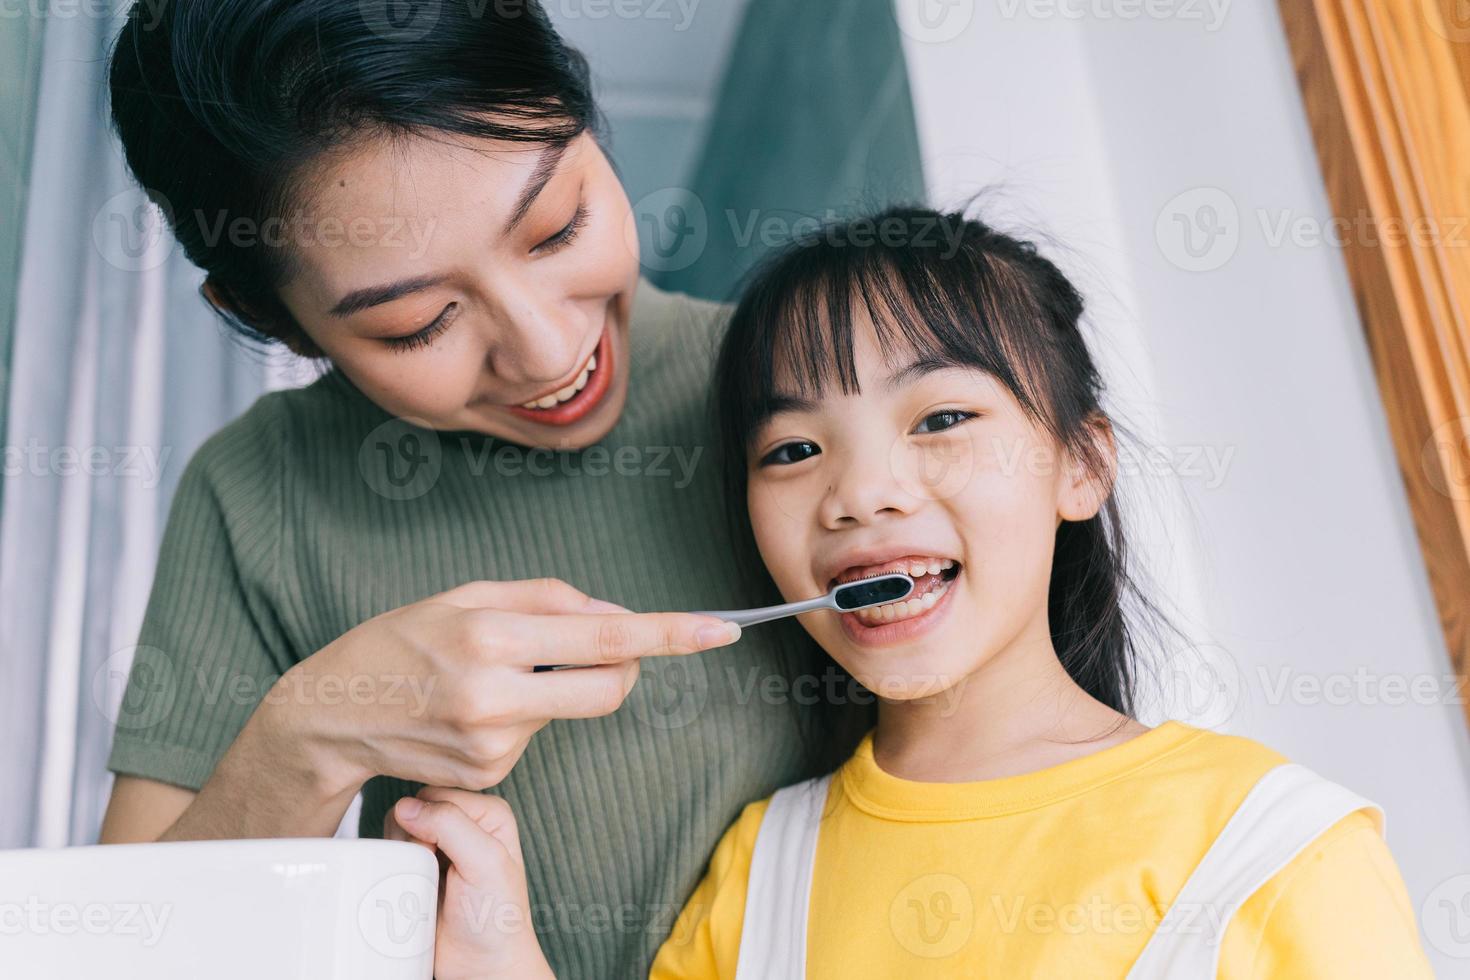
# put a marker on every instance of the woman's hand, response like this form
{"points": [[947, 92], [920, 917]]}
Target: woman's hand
{"points": [[446, 689], [484, 927], [441, 691]]}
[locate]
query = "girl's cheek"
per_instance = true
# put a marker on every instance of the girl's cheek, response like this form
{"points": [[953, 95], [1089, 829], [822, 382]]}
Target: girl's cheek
{"points": [[780, 538], [783, 505], [939, 468]]}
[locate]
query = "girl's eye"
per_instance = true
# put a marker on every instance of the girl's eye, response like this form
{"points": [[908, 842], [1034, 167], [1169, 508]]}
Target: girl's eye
{"points": [[790, 452], [947, 419], [426, 336], [568, 233]]}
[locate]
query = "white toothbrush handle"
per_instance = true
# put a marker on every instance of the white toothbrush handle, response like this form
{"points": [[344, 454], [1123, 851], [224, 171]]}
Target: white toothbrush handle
{"points": [[750, 617]]}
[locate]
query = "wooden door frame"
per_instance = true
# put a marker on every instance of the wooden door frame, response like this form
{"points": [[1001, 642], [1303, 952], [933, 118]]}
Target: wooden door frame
{"points": [[1386, 86]]}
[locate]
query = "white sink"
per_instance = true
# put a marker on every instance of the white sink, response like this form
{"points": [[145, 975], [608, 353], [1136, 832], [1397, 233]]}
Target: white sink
{"points": [[313, 909]]}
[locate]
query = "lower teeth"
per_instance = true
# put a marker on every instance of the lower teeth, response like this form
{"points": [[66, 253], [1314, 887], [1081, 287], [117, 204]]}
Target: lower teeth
{"points": [[907, 609]]}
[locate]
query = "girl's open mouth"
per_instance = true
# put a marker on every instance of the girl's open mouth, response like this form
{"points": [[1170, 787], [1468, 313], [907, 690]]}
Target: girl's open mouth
{"points": [[933, 581], [578, 396]]}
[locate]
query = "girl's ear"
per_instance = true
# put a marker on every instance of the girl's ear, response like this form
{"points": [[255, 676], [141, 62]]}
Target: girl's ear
{"points": [[1085, 488]]}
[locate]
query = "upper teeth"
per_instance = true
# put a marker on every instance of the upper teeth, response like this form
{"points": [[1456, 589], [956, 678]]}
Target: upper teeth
{"points": [[914, 567], [564, 394]]}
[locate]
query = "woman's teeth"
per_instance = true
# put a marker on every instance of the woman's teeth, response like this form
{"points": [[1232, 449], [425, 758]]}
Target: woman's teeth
{"points": [[565, 394], [932, 579]]}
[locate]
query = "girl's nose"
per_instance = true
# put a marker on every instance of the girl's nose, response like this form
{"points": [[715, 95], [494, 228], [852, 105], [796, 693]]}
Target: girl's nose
{"points": [[865, 490]]}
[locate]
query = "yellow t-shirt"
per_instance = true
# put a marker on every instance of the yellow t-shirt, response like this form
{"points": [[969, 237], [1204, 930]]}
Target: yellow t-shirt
{"points": [[1058, 873]]}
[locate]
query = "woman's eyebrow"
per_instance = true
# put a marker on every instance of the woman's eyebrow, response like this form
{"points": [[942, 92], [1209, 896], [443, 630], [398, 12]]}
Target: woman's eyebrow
{"points": [[369, 296], [540, 176]]}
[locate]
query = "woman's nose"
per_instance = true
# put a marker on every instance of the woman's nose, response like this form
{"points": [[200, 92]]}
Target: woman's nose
{"points": [[865, 489], [531, 340]]}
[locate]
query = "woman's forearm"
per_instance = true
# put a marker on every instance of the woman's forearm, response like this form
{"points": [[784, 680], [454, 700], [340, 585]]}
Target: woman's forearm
{"points": [[273, 781]]}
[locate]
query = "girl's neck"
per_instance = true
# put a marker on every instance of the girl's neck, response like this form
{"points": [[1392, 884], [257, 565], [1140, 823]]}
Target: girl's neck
{"points": [[1020, 712]]}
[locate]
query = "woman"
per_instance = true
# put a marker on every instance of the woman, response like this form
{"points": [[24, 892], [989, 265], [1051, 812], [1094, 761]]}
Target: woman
{"points": [[358, 578]]}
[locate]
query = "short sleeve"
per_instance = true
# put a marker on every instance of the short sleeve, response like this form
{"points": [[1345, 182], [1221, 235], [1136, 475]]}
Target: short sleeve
{"points": [[705, 942], [208, 651], [1339, 910]]}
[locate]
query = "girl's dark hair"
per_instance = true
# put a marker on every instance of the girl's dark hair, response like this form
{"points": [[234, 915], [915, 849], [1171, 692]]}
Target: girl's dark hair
{"points": [[222, 104], [952, 291]]}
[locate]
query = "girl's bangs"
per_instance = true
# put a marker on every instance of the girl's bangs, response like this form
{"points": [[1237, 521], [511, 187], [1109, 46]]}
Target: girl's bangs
{"points": [[933, 310]]}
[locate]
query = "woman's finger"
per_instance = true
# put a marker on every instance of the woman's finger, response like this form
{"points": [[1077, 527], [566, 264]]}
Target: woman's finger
{"points": [[587, 692], [534, 595], [607, 639]]}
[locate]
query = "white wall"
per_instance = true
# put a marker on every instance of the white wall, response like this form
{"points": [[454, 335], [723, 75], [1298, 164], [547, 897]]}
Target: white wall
{"points": [[1300, 564]]}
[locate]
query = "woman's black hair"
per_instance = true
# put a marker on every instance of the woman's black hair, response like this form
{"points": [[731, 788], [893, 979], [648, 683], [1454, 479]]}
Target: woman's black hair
{"points": [[222, 104], [951, 290]]}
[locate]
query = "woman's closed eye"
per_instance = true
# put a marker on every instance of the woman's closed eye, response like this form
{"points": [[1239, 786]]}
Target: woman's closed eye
{"points": [[426, 335], [566, 235], [941, 420]]}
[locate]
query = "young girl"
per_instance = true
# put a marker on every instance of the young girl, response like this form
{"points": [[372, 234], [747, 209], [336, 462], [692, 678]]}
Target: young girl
{"points": [[926, 403]]}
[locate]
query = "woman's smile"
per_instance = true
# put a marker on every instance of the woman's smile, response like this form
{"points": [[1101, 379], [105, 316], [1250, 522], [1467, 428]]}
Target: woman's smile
{"points": [[572, 400]]}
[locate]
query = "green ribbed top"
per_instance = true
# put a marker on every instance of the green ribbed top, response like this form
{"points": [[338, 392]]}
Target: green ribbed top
{"points": [[316, 510]]}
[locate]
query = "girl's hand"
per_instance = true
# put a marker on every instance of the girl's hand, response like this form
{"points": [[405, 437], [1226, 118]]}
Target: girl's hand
{"points": [[484, 927], [443, 691]]}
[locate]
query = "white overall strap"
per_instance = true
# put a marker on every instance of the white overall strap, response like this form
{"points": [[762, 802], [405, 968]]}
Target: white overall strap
{"points": [[1288, 808], [773, 938]]}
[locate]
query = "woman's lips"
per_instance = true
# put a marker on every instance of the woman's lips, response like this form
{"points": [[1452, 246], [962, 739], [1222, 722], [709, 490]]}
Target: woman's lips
{"points": [[599, 381]]}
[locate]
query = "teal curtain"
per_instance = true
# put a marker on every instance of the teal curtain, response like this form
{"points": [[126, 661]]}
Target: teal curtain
{"points": [[20, 47], [814, 118]]}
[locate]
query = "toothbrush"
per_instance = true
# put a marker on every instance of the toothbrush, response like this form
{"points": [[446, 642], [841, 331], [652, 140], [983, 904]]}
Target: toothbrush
{"points": [[848, 597]]}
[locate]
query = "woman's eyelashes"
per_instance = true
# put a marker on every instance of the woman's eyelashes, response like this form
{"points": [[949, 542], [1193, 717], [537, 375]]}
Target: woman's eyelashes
{"points": [[567, 234], [425, 336]]}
